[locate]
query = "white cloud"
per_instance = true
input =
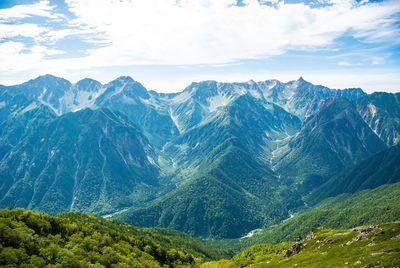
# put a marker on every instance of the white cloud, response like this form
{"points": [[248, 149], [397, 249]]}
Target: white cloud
{"points": [[188, 32], [12, 22], [43, 50], [25, 30], [42, 9], [378, 60], [344, 63], [215, 32], [14, 60], [347, 63]]}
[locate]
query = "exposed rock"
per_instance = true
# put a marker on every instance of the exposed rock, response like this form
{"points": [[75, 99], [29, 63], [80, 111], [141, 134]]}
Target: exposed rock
{"points": [[397, 237], [310, 236], [360, 236], [365, 230], [296, 248], [362, 233]]}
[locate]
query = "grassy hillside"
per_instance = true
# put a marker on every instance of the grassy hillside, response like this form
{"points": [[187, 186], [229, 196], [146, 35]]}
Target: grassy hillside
{"points": [[33, 239], [375, 206], [370, 246]]}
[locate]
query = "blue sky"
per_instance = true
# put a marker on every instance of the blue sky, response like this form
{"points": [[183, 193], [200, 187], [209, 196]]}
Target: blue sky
{"points": [[166, 44]]}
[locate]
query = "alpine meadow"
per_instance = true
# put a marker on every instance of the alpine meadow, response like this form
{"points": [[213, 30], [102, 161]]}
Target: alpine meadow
{"points": [[129, 139]]}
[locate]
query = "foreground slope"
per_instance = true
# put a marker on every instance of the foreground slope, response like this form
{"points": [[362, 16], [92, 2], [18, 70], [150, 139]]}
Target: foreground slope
{"points": [[368, 246], [33, 239]]}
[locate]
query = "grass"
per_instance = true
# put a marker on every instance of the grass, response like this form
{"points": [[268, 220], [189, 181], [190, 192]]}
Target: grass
{"points": [[329, 248]]}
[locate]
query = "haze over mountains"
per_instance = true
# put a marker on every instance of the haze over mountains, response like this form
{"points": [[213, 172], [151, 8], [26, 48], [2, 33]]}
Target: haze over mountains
{"points": [[215, 160]]}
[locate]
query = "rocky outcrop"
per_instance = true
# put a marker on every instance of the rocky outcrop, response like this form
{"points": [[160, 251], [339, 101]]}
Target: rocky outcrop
{"points": [[296, 248]]}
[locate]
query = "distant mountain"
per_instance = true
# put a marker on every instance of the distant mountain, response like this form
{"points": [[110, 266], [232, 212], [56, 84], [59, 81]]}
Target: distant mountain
{"points": [[333, 138], [215, 160], [94, 161], [381, 111], [199, 100], [246, 123], [379, 169], [227, 167], [303, 98], [148, 112], [46, 89], [298, 97]]}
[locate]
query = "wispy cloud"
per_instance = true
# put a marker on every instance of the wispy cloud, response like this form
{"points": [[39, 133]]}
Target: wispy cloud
{"points": [[378, 60], [24, 30], [344, 63], [41, 9]]}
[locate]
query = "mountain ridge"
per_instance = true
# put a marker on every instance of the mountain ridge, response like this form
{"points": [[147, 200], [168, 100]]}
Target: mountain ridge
{"points": [[151, 158]]}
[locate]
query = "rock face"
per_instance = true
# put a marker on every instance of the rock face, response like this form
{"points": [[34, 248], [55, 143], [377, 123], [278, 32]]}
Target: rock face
{"points": [[92, 161], [333, 138], [310, 236], [296, 248], [381, 111], [363, 233]]}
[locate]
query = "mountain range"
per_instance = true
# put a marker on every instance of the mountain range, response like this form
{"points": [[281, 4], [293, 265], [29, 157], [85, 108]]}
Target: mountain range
{"points": [[215, 160]]}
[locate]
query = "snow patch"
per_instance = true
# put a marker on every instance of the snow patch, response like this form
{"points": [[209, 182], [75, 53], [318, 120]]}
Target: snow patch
{"points": [[146, 101], [128, 100], [255, 94], [372, 109], [176, 121], [218, 101], [45, 102], [151, 160], [182, 97]]}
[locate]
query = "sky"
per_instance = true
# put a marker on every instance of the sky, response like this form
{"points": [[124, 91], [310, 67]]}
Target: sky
{"points": [[167, 44]]}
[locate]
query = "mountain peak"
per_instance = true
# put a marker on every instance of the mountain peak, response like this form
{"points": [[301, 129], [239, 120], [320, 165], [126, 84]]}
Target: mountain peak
{"points": [[87, 80], [88, 84], [301, 79], [126, 79], [49, 78], [127, 86]]}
